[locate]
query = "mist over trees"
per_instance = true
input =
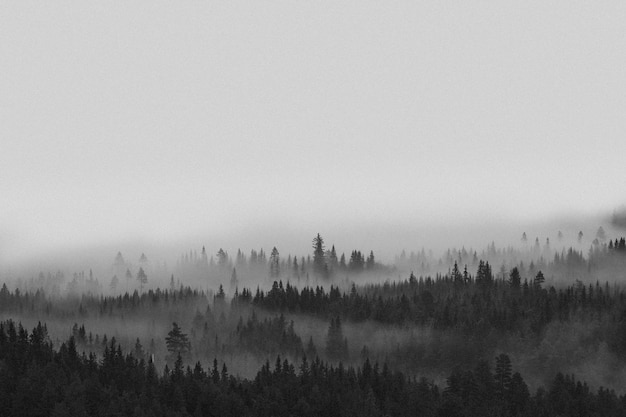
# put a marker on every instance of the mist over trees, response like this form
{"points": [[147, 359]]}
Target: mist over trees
{"points": [[517, 322], [619, 218]]}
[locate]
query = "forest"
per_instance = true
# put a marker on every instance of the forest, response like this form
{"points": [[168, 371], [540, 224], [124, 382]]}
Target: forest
{"points": [[535, 329]]}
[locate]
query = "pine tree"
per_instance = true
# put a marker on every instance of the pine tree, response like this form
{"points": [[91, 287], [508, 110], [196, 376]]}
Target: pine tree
{"points": [[371, 263], [333, 261], [503, 375], [456, 274], [222, 258], [142, 278], [234, 282], [311, 350], [295, 269], [515, 279], [274, 263], [539, 279], [177, 342], [484, 277], [114, 282], [138, 351], [129, 276], [119, 262], [319, 262], [215, 373], [336, 344]]}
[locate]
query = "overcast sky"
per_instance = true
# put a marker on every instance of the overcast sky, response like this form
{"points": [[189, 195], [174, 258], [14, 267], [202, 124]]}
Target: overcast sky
{"points": [[159, 120]]}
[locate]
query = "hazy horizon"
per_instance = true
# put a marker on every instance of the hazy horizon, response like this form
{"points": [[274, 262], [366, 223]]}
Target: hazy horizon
{"points": [[386, 240], [253, 124]]}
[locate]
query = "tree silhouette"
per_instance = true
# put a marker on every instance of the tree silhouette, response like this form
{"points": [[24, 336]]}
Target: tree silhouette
{"points": [[503, 375], [114, 282], [539, 279], [336, 344], [274, 263], [234, 282], [222, 258], [142, 278], [177, 342], [129, 276], [319, 261], [371, 263], [515, 278]]}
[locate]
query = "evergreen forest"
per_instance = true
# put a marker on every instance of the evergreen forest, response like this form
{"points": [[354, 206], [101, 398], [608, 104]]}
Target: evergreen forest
{"points": [[531, 330]]}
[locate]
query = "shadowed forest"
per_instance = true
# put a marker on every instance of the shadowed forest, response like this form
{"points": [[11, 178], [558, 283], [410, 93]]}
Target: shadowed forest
{"points": [[535, 329]]}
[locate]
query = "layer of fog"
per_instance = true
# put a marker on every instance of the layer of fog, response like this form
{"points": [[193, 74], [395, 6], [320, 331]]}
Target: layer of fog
{"points": [[386, 240]]}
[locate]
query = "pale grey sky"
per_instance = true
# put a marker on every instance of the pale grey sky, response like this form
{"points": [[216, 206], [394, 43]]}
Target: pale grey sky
{"points": [[157, 120]]}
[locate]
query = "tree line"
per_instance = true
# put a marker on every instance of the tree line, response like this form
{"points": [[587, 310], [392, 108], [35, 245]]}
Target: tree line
{"points": [[39, 380]]}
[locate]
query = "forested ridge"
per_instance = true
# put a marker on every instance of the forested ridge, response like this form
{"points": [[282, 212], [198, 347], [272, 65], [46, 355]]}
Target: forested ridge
{"points": [[534, 337], [458, 302]]}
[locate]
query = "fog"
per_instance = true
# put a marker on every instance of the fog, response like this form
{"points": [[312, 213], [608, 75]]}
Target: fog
{"points": [[386, 239], [248, 125], [154, 156]]}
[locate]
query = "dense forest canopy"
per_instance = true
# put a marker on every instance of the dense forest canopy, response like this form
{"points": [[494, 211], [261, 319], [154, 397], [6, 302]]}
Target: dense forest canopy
{"points": [[39, 380], [554, 319]]}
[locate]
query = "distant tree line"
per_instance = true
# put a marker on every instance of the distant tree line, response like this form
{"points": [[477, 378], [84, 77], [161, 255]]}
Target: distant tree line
{"points": [[604, 260]]}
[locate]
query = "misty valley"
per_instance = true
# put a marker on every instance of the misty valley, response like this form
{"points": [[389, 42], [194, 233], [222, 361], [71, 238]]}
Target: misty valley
{"points": [[530, 329]]}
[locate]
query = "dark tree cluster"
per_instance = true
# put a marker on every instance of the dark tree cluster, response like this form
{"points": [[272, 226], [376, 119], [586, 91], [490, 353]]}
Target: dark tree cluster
{"points": [[157, 302], [38, 380], [269, 337], [336, 343], [448, 302], [471, 314]]}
